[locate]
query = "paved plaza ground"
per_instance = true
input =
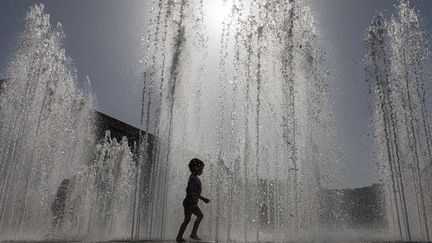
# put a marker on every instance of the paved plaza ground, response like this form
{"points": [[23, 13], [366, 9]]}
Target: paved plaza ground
{"points": [[191, 241]]}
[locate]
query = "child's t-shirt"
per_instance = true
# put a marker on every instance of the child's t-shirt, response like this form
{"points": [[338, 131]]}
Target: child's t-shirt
{"points": [[193, 191]]}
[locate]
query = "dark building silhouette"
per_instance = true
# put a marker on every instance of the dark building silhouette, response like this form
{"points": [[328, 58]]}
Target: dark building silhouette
{"points": [[362, 207], [118, 129], [358, 207], [2, 82]]}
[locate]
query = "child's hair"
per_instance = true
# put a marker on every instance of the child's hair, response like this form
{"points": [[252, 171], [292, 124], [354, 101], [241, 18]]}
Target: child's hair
{"points": [[195, 164]]}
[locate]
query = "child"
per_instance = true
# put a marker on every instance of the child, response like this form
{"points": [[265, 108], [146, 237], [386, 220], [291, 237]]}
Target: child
{"points": [[190, 203]]}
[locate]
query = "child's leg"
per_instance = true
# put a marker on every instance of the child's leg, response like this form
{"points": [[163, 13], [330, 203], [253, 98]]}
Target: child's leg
{"points": [[197, 211], [187, 218]]}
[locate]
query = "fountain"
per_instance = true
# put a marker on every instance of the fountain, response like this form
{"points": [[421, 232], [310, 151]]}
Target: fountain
{"points": [[45, 127], [396, 59], [258, 112], [47, 130], [261, 126]]}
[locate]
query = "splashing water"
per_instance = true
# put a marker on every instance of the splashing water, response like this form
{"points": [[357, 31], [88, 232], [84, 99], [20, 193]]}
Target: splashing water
{"points": [[40, 103], [396, 59], [47, 131], [260, 121], [260, 117]]}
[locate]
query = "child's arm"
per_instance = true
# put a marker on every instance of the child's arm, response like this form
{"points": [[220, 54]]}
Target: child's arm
{"points": [[206, 200]]}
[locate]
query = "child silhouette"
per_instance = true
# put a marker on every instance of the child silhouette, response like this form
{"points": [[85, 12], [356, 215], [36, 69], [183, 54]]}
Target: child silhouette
{"points": [[190, 203]]}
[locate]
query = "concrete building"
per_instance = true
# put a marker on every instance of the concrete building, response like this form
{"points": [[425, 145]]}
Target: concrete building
{"points": [[362, 207]]}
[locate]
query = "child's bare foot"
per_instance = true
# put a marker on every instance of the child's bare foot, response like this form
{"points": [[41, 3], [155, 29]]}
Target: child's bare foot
{"points": [[195, 237], [180, 240]]}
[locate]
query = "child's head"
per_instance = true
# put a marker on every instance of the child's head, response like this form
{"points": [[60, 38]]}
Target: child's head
{"points": [[196, 166]]}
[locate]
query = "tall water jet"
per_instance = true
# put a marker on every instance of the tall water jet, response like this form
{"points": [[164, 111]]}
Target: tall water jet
{"points": [[112, 179], [100, 196], [260, 125], [396, 59], [56, 182], [260, 120], [175, 26], [46, 129]]}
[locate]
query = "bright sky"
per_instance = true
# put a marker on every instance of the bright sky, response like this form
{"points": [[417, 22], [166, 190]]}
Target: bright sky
{"points": [[103, 37]]}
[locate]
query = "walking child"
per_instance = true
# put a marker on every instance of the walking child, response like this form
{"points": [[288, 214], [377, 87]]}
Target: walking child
{"points": [[190, 203]]}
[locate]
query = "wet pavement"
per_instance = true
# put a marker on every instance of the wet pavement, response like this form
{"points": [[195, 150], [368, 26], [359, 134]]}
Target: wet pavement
{"points": [[192, 241]]}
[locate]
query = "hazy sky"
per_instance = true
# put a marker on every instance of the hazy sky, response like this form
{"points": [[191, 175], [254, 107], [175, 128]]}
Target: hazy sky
{"points": [[103, 37]]}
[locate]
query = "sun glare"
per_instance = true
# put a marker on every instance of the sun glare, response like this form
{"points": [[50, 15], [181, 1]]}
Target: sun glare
{"points": [[216, 12]]}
